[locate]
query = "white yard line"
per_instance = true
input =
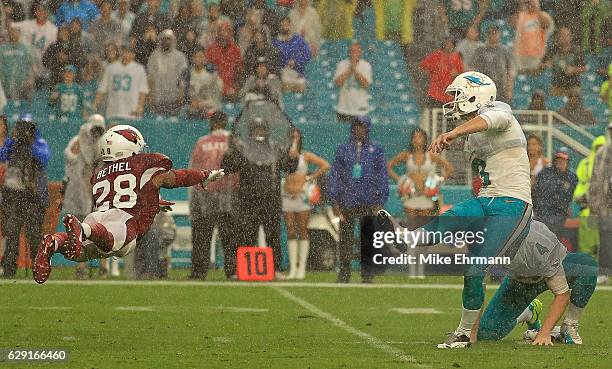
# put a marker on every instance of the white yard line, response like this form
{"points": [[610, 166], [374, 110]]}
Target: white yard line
{"points": [[369, 339], [135, 308], [424, 286], [416, 310]]}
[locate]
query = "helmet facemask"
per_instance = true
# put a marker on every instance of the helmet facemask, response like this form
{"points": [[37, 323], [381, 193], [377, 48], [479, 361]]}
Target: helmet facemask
{"points": [[452, 110]]}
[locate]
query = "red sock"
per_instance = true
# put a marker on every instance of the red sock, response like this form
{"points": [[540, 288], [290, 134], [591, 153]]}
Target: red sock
{"points": [[102, 237]]}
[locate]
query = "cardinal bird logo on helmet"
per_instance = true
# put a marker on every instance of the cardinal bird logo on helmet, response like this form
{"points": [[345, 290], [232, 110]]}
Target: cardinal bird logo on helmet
{"points": [[129, 135]]}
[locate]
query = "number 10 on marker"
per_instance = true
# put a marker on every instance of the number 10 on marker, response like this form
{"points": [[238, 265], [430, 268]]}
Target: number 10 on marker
{"points": [[255, 263]]}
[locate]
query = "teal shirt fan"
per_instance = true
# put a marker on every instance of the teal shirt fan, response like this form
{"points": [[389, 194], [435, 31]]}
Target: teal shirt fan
{"points": [[69, 103]]}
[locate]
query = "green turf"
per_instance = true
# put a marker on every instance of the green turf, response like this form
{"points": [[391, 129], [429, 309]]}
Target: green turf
{"points": [[205, 326]]}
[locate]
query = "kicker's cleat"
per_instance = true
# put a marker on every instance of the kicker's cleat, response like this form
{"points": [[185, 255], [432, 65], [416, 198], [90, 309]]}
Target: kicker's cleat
{"points": [[535, 323], [72, 247], [41, 270], [456, 340], [569, 333]]}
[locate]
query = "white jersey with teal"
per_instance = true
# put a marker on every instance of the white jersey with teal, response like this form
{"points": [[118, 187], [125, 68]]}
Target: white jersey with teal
{"points": [[123, 84], [499, 154], [39, 36], [540, 256]]}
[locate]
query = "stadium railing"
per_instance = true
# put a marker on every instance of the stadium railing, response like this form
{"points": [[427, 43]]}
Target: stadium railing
{"points": [[555, 130]]}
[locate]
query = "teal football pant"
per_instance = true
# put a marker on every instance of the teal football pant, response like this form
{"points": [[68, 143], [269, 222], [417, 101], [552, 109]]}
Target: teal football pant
{"points": [[513, 296], [505, 222]]}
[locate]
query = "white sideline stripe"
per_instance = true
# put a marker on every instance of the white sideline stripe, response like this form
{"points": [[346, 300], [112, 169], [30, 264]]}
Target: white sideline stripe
{"points": [[47, 307], [135, 308], [425, 286], [371, 340], [237, 309], [416, 311]]}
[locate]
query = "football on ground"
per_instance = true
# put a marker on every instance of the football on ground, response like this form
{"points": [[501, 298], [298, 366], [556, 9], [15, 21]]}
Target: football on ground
{"points": [[393, 323]]}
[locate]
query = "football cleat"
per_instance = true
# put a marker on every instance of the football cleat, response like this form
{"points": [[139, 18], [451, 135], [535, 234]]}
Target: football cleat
{"points": [[72, 248], [456, 340], [536, 312], [41, 270], [569, 333]]}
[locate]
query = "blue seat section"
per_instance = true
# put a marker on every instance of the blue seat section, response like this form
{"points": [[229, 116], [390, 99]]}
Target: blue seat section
{"points": [[590, 82], [392, 93]]}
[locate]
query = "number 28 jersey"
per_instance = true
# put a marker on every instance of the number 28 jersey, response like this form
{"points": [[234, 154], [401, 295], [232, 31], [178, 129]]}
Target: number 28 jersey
{"points": [[126, 184]]}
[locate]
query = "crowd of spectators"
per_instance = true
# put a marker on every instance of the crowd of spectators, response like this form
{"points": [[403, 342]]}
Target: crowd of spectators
{"points": [[167, 57], [443, 38]]}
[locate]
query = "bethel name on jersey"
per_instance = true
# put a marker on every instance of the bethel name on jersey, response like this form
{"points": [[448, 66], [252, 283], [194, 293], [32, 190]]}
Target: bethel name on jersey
{"points": [[114, 168]]}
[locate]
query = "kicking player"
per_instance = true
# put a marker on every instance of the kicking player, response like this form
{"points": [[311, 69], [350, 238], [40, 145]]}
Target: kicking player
{"points": [[498, 154], [126, 192], [541, 264]]}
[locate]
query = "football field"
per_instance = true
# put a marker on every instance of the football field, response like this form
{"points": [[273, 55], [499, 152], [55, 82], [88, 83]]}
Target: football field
{"points": [[393, 323]]}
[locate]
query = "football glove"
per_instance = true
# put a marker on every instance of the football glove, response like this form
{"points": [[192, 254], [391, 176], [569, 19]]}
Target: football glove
{"points": [[213, 176]]}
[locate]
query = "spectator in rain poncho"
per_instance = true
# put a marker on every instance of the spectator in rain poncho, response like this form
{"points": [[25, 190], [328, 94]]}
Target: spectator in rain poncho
{"points": [[588, 234], [600, 203], [259, 161], [81, 157]]}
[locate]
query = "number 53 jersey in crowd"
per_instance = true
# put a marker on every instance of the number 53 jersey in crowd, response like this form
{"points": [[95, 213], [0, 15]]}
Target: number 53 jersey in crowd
{"points": [[123, 85], [127, 184]]}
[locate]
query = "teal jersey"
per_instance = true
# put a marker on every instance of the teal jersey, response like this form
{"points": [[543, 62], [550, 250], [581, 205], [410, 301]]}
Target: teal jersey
{"points": [[69, 104], [16, 61]]}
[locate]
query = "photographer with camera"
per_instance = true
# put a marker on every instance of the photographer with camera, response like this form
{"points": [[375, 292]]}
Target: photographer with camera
{"points": [[25, 190]]}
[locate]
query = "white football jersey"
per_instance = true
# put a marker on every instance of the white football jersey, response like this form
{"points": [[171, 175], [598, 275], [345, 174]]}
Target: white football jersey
{"points": [[499, 154], [123, 85], [540, 255], [38, 36]]}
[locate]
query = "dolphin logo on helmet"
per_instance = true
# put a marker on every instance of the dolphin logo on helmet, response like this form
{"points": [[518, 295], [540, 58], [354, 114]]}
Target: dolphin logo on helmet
{"points": [[470, 92]]}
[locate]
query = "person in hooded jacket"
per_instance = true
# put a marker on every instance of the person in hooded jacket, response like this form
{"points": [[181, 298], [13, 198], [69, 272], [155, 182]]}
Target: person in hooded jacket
{"points": [[25, 192], [600, 203], [259, 164], [81, 157], [357, 187], [588, 232]]}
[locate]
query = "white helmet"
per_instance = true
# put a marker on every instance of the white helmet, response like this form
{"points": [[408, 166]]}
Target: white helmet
{"points": [[470, 92], [120, 142]]}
